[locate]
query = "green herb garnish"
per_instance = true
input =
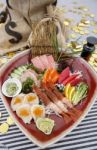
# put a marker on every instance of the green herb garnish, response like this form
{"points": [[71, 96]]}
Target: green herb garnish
{"points": [[80, 94], [27, 86]]}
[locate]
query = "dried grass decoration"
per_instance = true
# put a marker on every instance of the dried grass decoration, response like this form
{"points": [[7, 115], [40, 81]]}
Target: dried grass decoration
{"points": [[49, 34]]}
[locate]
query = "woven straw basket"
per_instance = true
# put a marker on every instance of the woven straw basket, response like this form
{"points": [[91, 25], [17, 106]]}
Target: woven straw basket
{"points": [[44, 39]]}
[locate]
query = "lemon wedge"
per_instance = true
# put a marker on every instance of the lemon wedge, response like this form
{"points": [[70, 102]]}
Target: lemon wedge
{"points": [[67, 88], [71, 92]]}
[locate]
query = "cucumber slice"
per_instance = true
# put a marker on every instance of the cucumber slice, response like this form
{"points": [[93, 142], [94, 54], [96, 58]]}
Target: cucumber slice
{"points": [[16, 71], [14, 75], [21, 69], [24, 68]]}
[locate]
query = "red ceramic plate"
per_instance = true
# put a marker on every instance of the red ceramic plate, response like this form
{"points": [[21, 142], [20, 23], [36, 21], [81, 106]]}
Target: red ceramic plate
{"points": [[61, 129]]}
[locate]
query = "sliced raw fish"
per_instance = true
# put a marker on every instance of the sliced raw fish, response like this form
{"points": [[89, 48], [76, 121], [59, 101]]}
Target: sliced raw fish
{"points": [[51, 61], [64, 75], [37, 63], [29, 74], [44, 60]]}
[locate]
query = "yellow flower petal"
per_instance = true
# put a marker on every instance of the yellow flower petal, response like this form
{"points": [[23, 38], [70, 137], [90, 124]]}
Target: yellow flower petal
{"points": [[4, 128], [10, 121]]}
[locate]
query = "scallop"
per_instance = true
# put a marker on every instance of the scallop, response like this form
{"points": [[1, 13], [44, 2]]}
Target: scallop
{"points": [[31, 99], [24, 112], [37, 111], [17, 101]]}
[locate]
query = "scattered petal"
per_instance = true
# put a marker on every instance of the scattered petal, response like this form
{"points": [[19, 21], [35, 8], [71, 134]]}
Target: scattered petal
{"points": [[84, 21], [80, 28], [86, 32], [85, 9], [73, 36], [82, 32], [91, 63], [81, 24], [92, 15], [10, 55], [94, 55], [66, 23], [4, 128], [93, 23], [91, 59], [3, 60], [95, 68], [10, 121], [95, 31]]}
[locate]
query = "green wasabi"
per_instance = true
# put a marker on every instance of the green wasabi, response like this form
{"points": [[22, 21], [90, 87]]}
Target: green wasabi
{"points": [[45, 125]]}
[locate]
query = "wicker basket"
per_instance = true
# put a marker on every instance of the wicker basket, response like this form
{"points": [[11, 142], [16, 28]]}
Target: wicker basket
{"points": [[44, 39]]}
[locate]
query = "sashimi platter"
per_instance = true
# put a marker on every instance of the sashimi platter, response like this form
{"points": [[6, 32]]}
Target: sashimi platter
{"points": [[47, 98]]}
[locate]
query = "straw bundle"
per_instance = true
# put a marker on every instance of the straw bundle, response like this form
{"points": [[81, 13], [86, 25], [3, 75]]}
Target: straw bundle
{"points": [[44, 39]]}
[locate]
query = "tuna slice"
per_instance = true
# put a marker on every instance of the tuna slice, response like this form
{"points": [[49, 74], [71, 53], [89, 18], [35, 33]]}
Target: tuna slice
{"points": [[37, 63], [64, 75]]}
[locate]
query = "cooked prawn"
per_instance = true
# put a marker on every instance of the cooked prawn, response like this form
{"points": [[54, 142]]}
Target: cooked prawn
{"points": [[63, 99], [57, 102], [50, 104]]}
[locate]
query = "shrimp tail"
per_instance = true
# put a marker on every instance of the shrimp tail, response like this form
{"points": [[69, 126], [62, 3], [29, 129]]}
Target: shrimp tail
{"points": [[73, 117], [76, 111], [66, 117]]}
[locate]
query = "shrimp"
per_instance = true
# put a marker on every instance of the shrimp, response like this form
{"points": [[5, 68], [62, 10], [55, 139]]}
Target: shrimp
{"points": [[57, 102], [63, 99], [50, 104]]}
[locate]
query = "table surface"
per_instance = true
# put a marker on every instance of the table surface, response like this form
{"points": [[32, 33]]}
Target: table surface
{"points": [[84, 137]]}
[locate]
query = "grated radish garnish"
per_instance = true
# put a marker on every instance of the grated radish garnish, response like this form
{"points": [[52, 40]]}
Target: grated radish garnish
{"points": [[49, 111], [77, 72]]}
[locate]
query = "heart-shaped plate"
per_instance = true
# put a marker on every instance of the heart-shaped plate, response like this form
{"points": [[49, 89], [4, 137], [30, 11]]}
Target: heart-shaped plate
{"points": [[61, 129]]}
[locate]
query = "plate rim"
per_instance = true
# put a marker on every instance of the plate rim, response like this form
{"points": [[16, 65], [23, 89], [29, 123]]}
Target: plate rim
{"points": [[68, 130]]}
